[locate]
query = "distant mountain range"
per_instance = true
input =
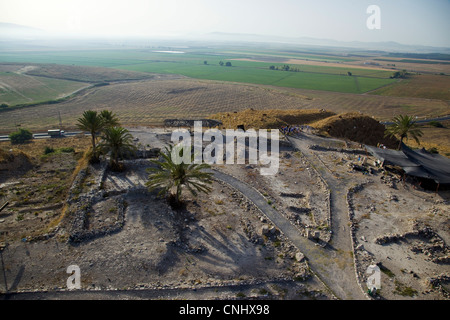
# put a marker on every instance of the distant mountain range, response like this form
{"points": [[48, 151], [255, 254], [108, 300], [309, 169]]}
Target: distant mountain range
{"points": [[10, 32], [389, 46]]}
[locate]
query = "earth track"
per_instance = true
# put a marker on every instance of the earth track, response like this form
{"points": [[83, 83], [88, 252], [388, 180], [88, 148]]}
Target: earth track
{"points": [[333, 264]]}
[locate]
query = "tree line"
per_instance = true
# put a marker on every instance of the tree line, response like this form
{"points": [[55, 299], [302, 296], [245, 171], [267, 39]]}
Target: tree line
{"points": [[285, 67], [221, 63]]}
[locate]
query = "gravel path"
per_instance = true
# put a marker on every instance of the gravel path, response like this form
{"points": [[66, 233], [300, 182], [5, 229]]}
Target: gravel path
{"points": [[333, 264]]}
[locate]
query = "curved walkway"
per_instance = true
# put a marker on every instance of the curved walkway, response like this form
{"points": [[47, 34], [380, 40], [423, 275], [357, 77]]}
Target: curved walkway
{"points": [[333, 264]]}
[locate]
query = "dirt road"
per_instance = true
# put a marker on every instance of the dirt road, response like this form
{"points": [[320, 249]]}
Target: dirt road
{"points": [[334, 263]]}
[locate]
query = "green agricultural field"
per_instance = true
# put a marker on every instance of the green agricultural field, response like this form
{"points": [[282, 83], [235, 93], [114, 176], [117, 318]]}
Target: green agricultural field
{"points": [[96, 58], [191, 64], [18, 88], [316, 78], [289, 54]]}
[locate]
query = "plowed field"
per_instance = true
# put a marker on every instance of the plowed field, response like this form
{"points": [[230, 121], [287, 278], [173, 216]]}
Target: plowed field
{"points": [[149, 102]]}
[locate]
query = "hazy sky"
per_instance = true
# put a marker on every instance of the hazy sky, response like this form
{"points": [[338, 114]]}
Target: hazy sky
{"points": [[423, 22]]}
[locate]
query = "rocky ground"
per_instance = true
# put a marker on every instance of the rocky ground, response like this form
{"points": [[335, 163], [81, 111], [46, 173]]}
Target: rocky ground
{"points": [[124, 238], [399, 226], [395, 224], [406, 233]]}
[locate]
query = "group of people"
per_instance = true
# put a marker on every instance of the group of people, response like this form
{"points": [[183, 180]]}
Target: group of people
{"points": [[381, 146], [290, 130]]}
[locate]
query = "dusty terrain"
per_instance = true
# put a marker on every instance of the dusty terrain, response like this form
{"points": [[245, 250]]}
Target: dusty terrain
{"points": [[340, 220], [131, 240], [394, 223]]}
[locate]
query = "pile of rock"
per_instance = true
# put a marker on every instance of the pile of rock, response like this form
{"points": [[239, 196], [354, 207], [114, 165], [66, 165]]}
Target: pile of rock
{"points": [[389, 238], [437, 281], [429, 243], [390, 181], [299, 210], [269, 231], [424, 232], [288, 250], [250, 232], [292, 195]]}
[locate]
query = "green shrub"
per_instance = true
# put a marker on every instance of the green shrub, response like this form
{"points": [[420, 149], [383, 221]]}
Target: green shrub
{"points": [[20, 136], [67, 149], [48, 150], [436, 124]]}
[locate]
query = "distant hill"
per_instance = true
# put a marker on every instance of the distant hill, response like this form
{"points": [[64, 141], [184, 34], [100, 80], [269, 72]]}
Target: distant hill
{"points": [[11, 31], [14, 32], [387, 46]]}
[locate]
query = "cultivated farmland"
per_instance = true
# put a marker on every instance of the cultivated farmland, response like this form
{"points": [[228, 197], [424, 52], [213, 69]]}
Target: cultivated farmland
{"points": [[149, 102], [243, 67], [307, 77], [428, 86], [16, 87], [85, 74]]}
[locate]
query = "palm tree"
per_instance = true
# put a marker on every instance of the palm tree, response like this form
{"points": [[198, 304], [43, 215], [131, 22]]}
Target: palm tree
{"points": [[172, 177], [92, 122], [403, 126], [116, 141], [109, 118]]}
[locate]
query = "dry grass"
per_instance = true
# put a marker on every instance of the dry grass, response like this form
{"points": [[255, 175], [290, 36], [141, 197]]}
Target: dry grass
{"points": [[149, 102], [384, 108], [6, 156], [83, 163], [270, 119], [355, 127], [438, 138], [361, 128], [35, 148], [351, 126], [45, 179], [86, 74], [428, 86], [414, 67]]}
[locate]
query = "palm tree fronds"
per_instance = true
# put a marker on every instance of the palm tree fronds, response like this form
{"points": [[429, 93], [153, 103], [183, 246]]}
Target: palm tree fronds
{"points": [[404, 127], [171, 178]]}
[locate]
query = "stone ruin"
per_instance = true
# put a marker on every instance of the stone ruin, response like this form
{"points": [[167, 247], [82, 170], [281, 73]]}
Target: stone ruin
{"points": [[210, 123]]}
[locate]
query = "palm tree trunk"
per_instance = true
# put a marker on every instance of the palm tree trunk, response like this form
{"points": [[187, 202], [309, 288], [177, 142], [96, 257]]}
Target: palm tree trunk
{"points": [[400, 143], [178, 194], [93, 142], [94, 157]]}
